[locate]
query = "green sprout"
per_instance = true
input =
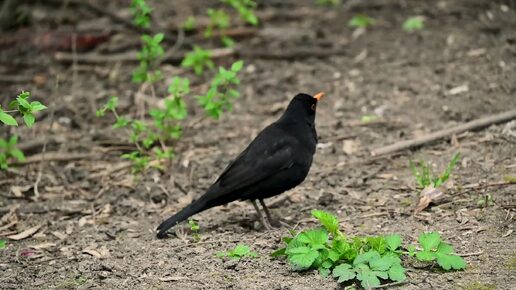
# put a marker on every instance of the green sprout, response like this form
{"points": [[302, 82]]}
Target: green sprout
{"points": [[149, 57], [141, 12], [425, 177], [413, 23], [198, 59], [221, 92], [240, 251], [361, 21]]}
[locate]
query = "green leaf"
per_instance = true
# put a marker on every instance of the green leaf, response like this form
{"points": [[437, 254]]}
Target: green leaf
{"points": [[360, 20], [17, 153], [430, 241], [397, 273], [413, 23], [368, 278], [313, 237], [29, 119], [382, 264], [448, 262], [22, 102], [7, 119], [237, 66], [344, 272], [444, 248], [2, 244], [425, 256], [366, 257], [158, 37], [240, 250], [393, 242], [121, 123], [37, 106], [302, 257], [279, 252], [329, 221]]}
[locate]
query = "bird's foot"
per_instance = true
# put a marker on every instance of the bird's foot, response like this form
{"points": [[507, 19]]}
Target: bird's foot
{"points": [[265, 223]]}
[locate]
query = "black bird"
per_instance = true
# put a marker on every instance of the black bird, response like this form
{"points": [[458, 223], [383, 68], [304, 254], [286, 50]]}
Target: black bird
{"points": [[277, 160]]}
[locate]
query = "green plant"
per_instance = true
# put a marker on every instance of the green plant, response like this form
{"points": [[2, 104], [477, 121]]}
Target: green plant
{"points": [[328, 2], [149, 57], [141, 12], [194, 227], [219, 19], [9, 150], [361, 20], [425, 177], [240, 251], [198, 60], [190, 23], [366, 259], [219, 96], [434, 249], [369, 118], [2, 244], [245, 9], [80, 280], [485, 200], [22, 105], [413, 23], [165, 126]]}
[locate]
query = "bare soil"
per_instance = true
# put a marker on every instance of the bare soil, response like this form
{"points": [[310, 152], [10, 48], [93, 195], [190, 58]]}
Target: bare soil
{"points": [[97, 220]]}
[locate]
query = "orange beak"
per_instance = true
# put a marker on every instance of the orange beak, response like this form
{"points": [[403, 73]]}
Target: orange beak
{"points": [[319, 96]]}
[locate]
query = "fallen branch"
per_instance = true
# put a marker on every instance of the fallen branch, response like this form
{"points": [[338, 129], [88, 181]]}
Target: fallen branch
{"points": [[217, 53], [473, 125], [58, 156]]}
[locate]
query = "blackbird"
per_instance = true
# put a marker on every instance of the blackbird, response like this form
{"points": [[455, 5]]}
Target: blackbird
{"points": [[277, 160]]}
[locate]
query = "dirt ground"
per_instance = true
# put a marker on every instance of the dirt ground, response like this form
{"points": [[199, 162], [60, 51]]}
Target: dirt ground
{"points": [[96, 219]]}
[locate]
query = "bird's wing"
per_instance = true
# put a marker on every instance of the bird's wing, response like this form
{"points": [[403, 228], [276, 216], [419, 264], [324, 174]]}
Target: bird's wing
{"points": [[259, 161]]}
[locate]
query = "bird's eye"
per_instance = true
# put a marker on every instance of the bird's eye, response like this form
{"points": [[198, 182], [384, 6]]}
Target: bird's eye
{"points": [[313, 107]]}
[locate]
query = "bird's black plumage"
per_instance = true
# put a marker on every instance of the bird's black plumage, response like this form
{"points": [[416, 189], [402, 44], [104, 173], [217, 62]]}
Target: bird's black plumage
{"points": [[277, 160]]}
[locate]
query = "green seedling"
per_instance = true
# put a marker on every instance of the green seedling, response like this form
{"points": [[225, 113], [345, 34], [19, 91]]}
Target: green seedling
{"points": [[165, 126], [141, 13], [198, 59], [222, 92], [149, 57], [26, 108], [485, 200], [190, 23], [195, 228], [361, 21], [425, 177], [9, 150], [368, 118], [240, 251], [3, 244], [434, 249], [332, 3], [364, 259], [245, 9], [413, 23], [219, 19], [80, 280]]}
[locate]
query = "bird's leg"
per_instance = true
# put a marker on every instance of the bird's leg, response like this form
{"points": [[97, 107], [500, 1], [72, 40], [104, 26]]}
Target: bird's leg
{"points": [[267, 212], [260, 216]]}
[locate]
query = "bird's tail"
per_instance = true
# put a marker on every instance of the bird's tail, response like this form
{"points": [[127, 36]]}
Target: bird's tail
{"points": [[193, 208]]}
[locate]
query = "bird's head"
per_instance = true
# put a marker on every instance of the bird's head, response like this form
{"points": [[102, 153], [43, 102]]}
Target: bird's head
{"points": [[304, 105]]}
